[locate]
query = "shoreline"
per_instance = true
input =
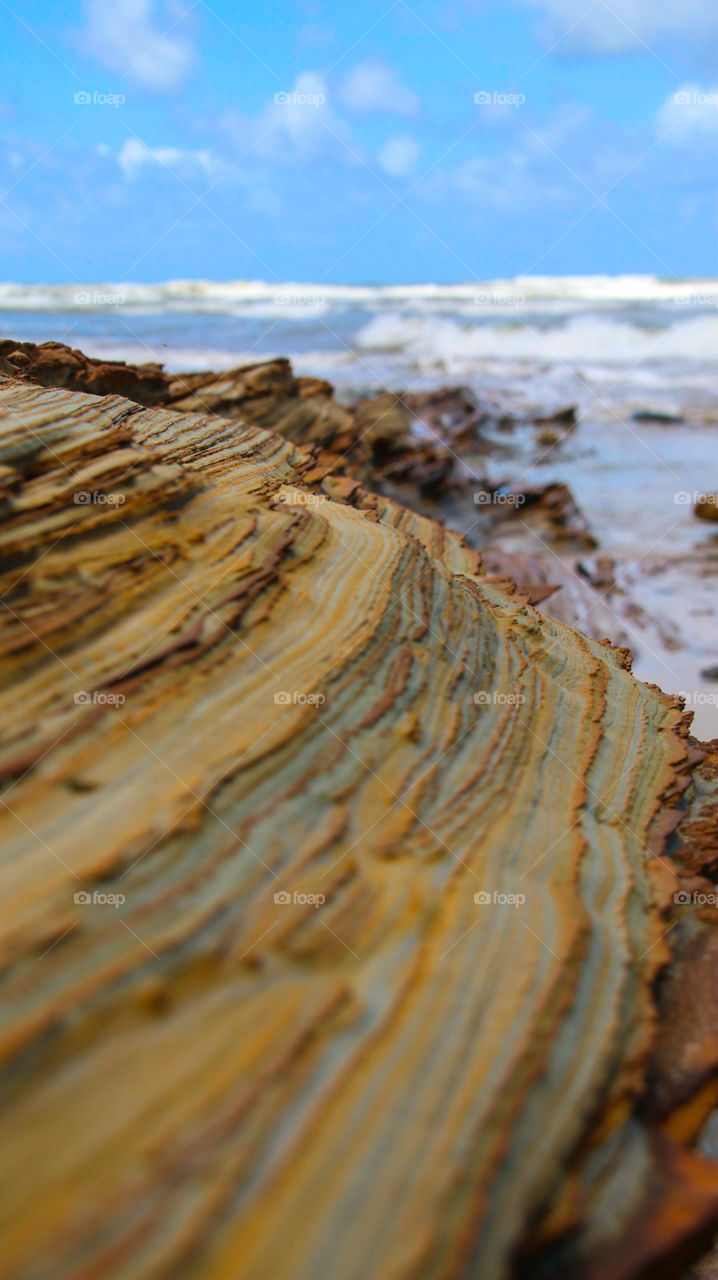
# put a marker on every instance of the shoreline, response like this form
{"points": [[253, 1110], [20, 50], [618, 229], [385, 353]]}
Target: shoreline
{"points": [[557, 502]]}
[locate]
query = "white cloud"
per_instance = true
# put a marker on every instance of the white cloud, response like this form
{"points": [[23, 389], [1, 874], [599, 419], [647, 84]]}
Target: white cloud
{"points": [[147, 41], [543, 169], [626, 24], [296, 128], [135, 156], [689, 115], [303, 117], [398, 158], [374, 86]]}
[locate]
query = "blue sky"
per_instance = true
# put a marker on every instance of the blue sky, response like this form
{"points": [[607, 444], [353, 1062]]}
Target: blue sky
{"points": [[345, 143]]}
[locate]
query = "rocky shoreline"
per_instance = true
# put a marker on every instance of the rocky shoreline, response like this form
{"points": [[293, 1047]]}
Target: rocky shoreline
{"points": [[428, 451], [359, 913]]}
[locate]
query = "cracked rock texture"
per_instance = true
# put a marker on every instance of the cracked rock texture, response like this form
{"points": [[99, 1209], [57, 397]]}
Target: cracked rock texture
{"points": [[338, 925]]}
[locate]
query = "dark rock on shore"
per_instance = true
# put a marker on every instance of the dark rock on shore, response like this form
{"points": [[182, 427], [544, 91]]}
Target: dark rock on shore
{"points": [[52, 364], [554, 507], [655, 415], [707, 507], [450, 413], [563, 418]]}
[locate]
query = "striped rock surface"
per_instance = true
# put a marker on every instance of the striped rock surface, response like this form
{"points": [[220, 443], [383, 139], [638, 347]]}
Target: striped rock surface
{"points": [[335, 886]]}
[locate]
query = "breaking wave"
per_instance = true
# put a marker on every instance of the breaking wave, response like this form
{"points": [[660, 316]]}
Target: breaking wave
{"points": [[235, 296]]}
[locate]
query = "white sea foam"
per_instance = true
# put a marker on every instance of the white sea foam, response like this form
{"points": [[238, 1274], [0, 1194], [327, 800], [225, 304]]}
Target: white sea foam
{"points": [[229, 296], [429, 342]]}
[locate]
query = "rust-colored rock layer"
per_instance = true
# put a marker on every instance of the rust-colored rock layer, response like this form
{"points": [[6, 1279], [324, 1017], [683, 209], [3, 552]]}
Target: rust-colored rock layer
{"points": [[338, 925], [402, 445]]}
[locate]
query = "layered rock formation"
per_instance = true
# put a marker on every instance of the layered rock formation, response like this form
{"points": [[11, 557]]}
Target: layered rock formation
{"points": [[338, 922], [52, 364], [408, 447], [401, 445]]}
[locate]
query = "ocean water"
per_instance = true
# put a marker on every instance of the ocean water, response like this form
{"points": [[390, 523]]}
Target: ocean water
{"points": [[554, 334], [612, 346]]}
